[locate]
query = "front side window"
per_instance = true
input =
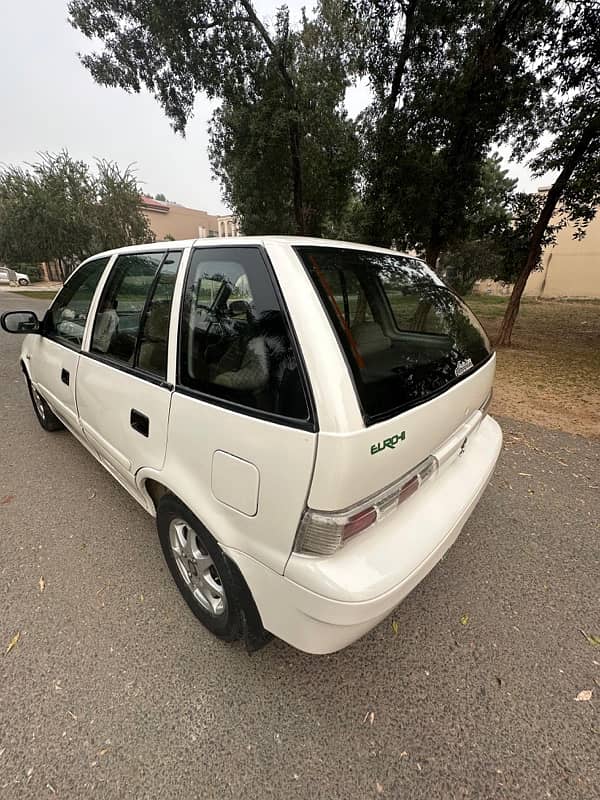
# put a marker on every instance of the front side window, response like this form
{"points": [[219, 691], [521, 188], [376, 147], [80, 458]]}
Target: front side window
{"points": [[131, 325], [65, 319], [406, 336], [234, 340]]}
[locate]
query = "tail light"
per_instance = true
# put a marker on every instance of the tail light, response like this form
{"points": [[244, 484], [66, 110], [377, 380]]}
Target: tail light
{"points": [[321, 533]]}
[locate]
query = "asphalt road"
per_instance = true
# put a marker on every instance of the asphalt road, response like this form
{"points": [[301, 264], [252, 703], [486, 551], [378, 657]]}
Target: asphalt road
{"points": [[115, 691]]}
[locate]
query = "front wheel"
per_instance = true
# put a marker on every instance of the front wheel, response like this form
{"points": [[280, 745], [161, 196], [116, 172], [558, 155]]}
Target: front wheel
{"points": [[45, 416], [202, 573], [22, 281]]}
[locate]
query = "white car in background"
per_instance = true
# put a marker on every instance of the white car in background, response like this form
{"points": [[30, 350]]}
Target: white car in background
{"points": [[306, 419], [20, 277]]}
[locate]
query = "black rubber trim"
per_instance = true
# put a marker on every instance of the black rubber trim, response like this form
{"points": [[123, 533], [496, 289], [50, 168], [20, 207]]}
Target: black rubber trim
{"points": [[135, 371], [255, 413]]}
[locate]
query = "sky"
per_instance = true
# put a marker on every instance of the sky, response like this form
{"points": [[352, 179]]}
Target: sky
{"points": [[50, 102]]}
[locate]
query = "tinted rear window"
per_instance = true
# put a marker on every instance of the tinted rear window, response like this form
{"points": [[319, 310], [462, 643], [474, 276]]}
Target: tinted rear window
{"points": [[406, 336]]}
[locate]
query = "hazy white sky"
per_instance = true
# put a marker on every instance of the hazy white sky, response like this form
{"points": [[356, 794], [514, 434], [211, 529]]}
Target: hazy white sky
{"points": [[50, 102]]}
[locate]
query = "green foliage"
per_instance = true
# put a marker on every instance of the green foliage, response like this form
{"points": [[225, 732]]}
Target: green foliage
{"points": [[250, 145], [572, 120], [160, 197], [488, 220], [449, 80], [57, 209], [281, 143]]}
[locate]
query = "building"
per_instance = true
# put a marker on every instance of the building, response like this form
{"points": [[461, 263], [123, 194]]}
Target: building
{"points": [[229, 226], [172, 221], [571, 268]]}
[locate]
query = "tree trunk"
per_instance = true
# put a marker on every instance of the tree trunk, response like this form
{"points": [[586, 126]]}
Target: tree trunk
{"points": [[376, 227], [432, 254], [294, 125], [297, 181], [588, 134]]}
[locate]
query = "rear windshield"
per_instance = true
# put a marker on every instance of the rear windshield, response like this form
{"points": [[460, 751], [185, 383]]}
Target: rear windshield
{"points": [[407, 337]]}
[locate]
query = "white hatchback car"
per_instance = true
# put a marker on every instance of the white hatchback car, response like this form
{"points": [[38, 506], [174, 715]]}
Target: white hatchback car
{"points": [[305, 418]]}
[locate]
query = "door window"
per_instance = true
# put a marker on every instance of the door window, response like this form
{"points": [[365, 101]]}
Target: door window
{"points": [[154, 335], [234, 341], [65, 319], [132, 322]]}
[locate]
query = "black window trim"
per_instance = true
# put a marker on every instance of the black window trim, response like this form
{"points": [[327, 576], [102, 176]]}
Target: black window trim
{"points": [[310, 424], [373, 419], [136, 372], [48, 335]]}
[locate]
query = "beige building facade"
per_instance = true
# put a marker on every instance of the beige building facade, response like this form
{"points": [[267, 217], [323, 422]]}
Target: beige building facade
{"points": [[169, 220], [571, 268], [180, 222]]}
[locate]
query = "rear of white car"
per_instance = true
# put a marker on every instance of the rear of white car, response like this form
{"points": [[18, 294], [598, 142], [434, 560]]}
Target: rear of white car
{"points": [[402, 375]]}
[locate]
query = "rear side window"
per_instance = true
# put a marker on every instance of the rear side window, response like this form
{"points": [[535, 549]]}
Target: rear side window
{"points": [[66, 318], [406, 336], [131, 325], [234, 341]]}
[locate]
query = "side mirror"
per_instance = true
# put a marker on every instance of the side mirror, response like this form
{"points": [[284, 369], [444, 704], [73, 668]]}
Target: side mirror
{"points": [[20, 322]]}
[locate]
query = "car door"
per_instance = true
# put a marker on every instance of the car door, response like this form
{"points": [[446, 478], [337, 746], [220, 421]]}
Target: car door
{"points": [[54, 356], [123, 395], [242, 435]]}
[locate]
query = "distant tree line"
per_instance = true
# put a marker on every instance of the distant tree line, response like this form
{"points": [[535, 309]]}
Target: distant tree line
{"points": [[59, 209], [449, 83]]}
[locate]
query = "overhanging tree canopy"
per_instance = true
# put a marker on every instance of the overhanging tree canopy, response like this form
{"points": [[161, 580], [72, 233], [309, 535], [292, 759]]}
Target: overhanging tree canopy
{"points": [[222, 48]]}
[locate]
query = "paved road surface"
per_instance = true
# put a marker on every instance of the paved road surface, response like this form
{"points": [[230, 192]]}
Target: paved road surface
{"points": [[114, 690]]}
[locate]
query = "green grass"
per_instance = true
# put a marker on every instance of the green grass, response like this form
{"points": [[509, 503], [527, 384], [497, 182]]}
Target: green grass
{"points": [[41, 295]]}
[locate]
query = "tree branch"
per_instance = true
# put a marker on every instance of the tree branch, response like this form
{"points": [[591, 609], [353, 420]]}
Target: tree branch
{"points": [[275, 52]]}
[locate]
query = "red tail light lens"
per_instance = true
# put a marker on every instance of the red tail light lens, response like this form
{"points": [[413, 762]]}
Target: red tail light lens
{"points": [[323, 532], [358, 522]]}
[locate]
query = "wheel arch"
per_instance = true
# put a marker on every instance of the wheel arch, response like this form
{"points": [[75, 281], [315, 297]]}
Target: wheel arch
{"points": [[254, 634]]}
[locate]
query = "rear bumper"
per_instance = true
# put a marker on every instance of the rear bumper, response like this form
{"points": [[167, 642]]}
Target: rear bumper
{"points": [[323, 604]]}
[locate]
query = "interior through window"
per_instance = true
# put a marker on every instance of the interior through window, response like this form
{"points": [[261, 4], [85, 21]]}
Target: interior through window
{"points": [[65, 319], [132, 321], [234, 339]]}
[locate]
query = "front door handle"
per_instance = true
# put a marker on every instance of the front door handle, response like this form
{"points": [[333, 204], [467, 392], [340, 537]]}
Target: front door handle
{"points": [[65, 377], [139, 422]]}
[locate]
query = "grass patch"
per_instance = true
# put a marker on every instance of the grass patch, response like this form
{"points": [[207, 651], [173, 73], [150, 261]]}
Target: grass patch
{"points": [[39, 295], [551, 374]]}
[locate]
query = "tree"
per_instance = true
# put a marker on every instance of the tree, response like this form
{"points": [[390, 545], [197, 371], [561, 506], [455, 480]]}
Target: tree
{"points": [[488, 219], [220, 47], [57, 209], [117, 214], [160, 197], [458, 78], [574, 152], [249, 137]]}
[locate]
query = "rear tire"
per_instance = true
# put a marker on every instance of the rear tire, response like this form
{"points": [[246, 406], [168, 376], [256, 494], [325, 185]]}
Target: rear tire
{"points": [[203, 574], [45, 416]]}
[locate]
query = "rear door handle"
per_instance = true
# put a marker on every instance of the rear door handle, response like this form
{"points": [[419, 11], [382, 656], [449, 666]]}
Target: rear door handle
{"points": [[65, 377], [139, 422]]}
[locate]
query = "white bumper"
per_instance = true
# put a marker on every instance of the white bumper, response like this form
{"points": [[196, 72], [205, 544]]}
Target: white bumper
{"points": [[323, 604]]}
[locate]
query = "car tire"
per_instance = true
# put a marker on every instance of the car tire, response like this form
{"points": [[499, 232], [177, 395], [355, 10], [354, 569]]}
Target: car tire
{"points": [[207, 579], [22, 281], [45, 416]]}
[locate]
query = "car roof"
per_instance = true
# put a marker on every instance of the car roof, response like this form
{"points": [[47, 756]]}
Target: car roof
{"points": [[239, 241]]}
